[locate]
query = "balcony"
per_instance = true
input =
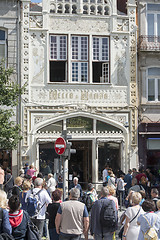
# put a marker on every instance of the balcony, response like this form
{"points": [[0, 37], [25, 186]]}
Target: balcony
{"points": [[149, 43]]}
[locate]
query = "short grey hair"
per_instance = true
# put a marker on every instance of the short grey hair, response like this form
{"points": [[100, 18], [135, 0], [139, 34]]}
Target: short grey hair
{"points": [[104, 192], [38, 182], [75, 193], [75, 178]]}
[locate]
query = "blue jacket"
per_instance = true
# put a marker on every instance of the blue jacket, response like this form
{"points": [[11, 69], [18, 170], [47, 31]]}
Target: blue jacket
{"points": [[5, 226]]}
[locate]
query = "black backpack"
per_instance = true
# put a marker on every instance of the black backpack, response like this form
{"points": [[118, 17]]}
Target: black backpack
{"points": [[108, 216], [86, 199]]}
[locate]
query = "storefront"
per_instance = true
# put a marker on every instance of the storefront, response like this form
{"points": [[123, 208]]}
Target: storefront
{"points": [[96, 141]]}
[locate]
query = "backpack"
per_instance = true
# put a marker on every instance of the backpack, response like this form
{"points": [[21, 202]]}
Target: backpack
{"points": [[33, 204], [151, 233], [108, 216], [87, 200]]}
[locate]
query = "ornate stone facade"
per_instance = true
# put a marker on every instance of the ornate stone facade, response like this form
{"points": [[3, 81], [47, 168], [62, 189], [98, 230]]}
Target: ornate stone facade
{"points": [[112, 102]]}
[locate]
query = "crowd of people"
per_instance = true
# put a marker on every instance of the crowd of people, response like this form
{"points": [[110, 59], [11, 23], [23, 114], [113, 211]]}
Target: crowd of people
{"points": [[35, 199]]}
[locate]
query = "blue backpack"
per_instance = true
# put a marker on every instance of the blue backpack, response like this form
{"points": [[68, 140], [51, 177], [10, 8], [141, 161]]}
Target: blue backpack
{"points": [[33, 204]]}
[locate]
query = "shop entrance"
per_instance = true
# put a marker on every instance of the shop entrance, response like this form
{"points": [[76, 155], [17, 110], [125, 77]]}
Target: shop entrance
{"points": [[80, 164], [108, 153]]}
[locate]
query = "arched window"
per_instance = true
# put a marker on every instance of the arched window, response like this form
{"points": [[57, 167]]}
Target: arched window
{"points": [[106, 10], [67, 8], [85, 9], [99, 10], [59, 8], [92, 10], [153, 84], [74, 9]]}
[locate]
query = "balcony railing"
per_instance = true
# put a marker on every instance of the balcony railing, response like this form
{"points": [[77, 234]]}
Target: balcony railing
{"points": [[149, 43]]}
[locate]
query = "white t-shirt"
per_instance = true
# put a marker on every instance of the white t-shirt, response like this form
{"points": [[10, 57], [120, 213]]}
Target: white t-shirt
{"points": [[51, 183], [105, 174], [43, 198]]}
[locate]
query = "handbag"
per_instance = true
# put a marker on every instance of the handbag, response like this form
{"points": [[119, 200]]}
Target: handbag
{"points": [[151, 233], [120, 234], [32, 232]]}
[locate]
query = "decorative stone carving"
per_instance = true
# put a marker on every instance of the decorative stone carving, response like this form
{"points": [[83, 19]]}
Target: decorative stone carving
{"points": [[36, 21], [74, 24]]}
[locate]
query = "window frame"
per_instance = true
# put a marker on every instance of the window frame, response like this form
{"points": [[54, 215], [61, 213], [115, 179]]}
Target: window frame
{"points": [[4, 42], [155, 15], [155, 78], [79, 60], [100, 58]]}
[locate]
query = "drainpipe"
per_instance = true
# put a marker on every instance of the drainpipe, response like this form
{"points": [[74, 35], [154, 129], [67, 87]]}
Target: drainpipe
{"points": [[19, 81]]}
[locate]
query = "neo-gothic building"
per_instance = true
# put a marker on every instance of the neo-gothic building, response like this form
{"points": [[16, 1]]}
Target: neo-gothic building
{"points": [[149, 84], [79, 59]]}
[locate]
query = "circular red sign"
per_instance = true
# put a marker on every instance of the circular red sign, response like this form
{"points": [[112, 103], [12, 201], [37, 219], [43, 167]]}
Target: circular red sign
{"points": [[60, 145]]}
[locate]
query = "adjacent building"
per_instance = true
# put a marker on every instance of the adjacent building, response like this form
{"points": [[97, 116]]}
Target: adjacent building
{"points": [[9, 50], [149, 84]]}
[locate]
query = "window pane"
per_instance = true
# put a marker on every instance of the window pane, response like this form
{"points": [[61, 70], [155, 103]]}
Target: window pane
{"points": [[102, 126], [53, 47], [104, 48], [95, 48], [150, 21], [74, 47], [84, 48], [84, 72], [158, 24], [79, 124], [2, 35], [75, 72], [52, 127], [154, 71], [2, 51], [105, 72], [158, 89], [153, 7], [63, 47], [151, 89]]}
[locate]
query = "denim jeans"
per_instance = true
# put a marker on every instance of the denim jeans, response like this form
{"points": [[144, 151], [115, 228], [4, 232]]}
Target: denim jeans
{"points": [[69, 237], [53, 234], [106, 236], [39, 223]]}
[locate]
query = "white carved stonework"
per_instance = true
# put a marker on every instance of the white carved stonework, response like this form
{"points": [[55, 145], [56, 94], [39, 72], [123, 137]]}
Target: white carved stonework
{"points": [[122, 25], [80, 25], [80, 96], [36, 21]]}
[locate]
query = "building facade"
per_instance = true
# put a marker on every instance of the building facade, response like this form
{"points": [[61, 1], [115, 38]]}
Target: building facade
{"points": [[149, 84], [79, 59], [9, 51]]}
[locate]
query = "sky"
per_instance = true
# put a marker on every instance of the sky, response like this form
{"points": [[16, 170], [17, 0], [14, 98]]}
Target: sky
{"points": [[36, 1]]}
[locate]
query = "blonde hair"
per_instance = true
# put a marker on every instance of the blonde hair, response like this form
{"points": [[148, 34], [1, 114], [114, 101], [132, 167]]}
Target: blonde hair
{"points": [[111, 190], [26, 185], [3, 199], [158, 204], [18, 181], [136, 198]]}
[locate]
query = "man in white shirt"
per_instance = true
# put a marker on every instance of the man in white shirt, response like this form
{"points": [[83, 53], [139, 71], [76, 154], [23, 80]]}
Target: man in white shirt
{"points": [[105, 175], [44, 199]]}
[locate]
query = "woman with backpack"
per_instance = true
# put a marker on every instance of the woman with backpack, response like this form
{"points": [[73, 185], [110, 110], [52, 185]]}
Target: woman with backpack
{"points": [[149, 222]]}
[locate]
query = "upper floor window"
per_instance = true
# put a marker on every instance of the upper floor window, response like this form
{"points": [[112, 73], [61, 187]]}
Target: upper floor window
{"points": [[154, 84], [100, 59], [71, 59], [153, 21], [58, 58], [3, 46], [79, 51]]}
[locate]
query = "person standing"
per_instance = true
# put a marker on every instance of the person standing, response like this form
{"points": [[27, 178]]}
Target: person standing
{"points": [[1, 178], [44, 200], [131, 228], [52, 211], [31, 171], [8, 183], [51, 183], [128, 180], [105, 175], [107, 208], [75, 184], [72, 218], [155, 196]]}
